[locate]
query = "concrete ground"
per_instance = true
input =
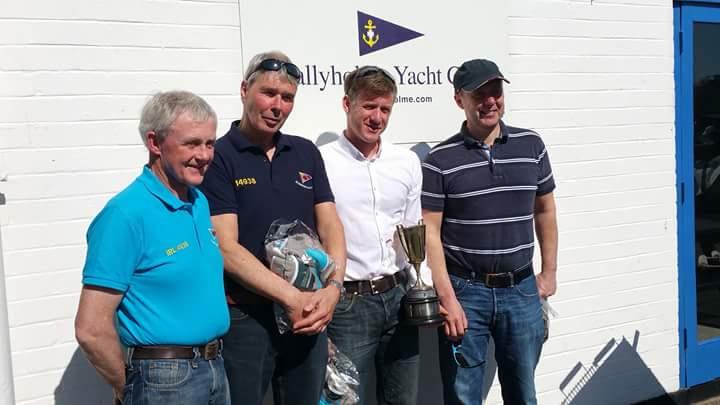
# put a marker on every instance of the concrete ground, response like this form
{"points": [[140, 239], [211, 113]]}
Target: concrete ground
{"points": [[705, 394]]}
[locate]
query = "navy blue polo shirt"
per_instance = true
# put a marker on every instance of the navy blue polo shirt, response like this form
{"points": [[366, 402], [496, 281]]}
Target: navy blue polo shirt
{"points": [[242, 180], [487, 197]]}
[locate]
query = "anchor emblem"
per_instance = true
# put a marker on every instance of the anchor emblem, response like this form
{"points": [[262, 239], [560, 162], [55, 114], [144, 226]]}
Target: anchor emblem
{"points": [[371, 38]]}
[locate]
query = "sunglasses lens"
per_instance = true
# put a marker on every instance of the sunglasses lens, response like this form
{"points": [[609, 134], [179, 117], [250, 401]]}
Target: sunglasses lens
{"points": [[371, 70], [293, 70], [271, 64], [274, 65]]}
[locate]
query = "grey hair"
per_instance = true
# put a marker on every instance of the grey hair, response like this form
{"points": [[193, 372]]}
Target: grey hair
{"points": [[163, 108], [252, 72]]}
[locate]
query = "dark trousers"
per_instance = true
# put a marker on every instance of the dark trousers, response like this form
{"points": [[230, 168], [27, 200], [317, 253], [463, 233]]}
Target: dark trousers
{"points": [[255, 354], [368, 330]]}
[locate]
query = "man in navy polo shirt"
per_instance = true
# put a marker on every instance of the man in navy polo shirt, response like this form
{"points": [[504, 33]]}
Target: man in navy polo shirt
{"points": [[154, 265], [259, 175], [483, 189]]}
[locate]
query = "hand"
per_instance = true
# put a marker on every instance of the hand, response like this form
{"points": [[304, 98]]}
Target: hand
{"points": [[318, 312], [455, 321], [295, 308], [546, 283], [117, 395]]}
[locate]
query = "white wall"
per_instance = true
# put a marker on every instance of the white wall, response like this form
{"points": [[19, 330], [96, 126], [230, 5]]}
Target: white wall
{"points": [[593, 77], [73, 77]]}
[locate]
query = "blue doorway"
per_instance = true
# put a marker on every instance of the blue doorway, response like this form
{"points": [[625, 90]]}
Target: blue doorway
{"points": [[697, 84]]}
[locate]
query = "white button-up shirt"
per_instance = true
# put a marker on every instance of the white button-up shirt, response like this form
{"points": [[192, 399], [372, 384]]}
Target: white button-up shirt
{"points": [[372, 197]]}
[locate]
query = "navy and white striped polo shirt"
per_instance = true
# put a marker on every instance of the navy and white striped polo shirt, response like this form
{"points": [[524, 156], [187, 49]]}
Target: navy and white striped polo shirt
{"points": [[487, 199]]}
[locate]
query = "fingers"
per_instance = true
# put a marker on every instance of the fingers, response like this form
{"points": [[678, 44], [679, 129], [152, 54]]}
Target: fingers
{"points": [[313, 324]]}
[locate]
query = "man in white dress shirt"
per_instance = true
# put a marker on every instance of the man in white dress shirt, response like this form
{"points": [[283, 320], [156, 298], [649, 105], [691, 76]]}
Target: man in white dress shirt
{"points": [[377, 186]]}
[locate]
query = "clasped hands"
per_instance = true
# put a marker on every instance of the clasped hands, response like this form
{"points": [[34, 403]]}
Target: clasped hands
{"points": [[309, 312]]}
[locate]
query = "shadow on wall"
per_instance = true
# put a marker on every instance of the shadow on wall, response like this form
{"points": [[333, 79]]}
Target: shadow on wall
{"points": [[617, 375], [81, 384]]}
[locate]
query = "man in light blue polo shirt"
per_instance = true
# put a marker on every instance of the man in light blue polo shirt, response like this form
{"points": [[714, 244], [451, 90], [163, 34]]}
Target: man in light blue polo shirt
{"points": [[153, 265]]}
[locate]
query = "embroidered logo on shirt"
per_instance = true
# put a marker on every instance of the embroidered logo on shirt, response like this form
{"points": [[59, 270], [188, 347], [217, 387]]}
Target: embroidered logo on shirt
{"points": [[213, 236], [245, 181], [182, 245], [304, 180]]}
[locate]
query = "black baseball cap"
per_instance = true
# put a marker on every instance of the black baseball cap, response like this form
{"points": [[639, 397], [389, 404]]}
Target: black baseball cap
{"points": [[475, 73]]}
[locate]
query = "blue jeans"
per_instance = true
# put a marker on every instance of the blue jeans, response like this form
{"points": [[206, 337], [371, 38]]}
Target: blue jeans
{"points": [[513, 317], [255, 353], [176, 381], [367, 329]]}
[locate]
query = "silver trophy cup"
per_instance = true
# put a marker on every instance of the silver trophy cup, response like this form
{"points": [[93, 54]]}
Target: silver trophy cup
{"points": [[422, 307]]}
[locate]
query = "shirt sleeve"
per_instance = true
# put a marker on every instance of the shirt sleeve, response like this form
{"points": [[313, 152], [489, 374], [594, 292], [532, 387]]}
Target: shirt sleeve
{"points": [[433, 190], [323, 192], [219, 188], [114, 249], [413, 212], [546, 182]]}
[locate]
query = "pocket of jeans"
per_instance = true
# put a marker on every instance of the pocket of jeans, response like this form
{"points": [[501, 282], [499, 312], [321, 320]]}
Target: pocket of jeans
{"points": [[346, 303], [527, 287], [458, 284], [237, 315], [167, 373]]}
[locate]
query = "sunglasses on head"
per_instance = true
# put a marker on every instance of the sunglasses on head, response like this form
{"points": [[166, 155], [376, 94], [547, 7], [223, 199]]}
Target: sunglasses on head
{"points": [[371, 70], [274, 65], [460, 359]]}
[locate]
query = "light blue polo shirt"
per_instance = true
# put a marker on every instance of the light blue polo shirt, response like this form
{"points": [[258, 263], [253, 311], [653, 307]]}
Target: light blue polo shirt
{"points": [[162, 254]]}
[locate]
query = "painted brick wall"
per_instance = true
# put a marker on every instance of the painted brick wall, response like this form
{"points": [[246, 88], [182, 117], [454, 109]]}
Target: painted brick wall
{"points": [[73, 76], [594, 77]]}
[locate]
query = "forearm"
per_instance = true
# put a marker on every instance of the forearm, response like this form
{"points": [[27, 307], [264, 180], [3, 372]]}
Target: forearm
{"points": [[104, 352], [547, 233], [334, 245], [438, 268], [332, 236], [243, 267]]}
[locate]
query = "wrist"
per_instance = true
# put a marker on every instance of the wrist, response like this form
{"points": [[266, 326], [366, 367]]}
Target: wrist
{"points": [[288, 298], [337, 285]]}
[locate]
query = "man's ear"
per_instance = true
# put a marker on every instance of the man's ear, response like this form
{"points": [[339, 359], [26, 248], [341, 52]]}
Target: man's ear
{"points": [[346, 103], [458, 100], [243, 90], [152, 142]]}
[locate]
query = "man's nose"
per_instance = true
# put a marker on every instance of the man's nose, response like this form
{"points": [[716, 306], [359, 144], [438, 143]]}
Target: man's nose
{"points": [[204, 153]]}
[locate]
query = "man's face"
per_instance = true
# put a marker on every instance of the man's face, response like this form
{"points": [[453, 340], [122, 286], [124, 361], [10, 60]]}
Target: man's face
{"points": [[267, 102], [187, 150], [367, 116], [483, 106]]}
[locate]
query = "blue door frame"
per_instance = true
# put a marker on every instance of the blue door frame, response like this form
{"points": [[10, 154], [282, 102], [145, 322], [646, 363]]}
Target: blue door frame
{"points": [[698, 360]]}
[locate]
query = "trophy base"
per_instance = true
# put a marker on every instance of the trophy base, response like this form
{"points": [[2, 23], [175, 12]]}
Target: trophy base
{"points": [[426, 322], [422, 307]]}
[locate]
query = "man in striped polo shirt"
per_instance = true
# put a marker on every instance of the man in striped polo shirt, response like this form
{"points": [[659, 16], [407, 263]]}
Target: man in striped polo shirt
{"points": [[483, 189]]}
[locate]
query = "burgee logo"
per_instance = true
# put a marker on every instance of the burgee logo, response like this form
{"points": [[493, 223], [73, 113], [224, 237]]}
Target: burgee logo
{"points": [[304, 180], [375, 33]]}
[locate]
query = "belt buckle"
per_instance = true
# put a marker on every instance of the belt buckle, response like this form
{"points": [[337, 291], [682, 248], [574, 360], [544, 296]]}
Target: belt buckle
{"points": [[373, 289], [497, 276], [210, 350]]}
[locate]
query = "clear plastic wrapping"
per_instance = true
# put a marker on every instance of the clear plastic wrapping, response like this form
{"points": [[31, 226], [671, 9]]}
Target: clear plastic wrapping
{"points": [[341, 379], [294, 253]]}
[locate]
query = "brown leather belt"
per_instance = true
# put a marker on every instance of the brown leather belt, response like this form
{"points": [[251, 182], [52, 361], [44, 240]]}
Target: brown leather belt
{"points": [[208, 351], [493, 280], [375, 286]]}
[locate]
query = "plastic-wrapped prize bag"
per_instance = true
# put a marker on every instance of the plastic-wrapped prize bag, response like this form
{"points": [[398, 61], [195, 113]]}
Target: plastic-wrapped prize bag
{"points": [[294, 253], [342, 379]]}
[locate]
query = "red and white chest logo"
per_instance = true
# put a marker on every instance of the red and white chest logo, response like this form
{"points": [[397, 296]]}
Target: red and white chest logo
{"points": [[304, 180]]}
